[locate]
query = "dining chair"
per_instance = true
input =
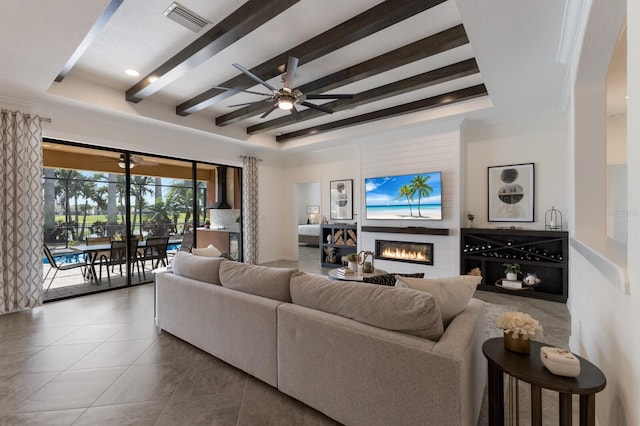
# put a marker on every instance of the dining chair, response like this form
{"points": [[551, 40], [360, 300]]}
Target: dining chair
{"points": [[65, 265], [155, 250], [94, 241], [118, 256]]}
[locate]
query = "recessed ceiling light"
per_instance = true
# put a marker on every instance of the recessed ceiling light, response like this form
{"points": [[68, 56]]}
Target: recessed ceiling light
{"points": [[132, 73], [626, 97], [152, 79]]}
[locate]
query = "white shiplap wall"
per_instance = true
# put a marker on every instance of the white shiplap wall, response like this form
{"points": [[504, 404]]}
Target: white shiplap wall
{"points": [[416, 154]]}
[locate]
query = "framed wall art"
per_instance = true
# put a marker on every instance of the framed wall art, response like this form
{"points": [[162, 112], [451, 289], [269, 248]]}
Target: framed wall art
{"points": [[341, 199], [511, 193]]}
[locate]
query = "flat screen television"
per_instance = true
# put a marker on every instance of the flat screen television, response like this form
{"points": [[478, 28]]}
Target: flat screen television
{"points": [[415, 196]]}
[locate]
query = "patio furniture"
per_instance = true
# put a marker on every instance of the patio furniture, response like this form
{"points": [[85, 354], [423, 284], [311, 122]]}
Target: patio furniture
{"points": [[155, 250], [118, 257], [94, 241], [65, 265]]}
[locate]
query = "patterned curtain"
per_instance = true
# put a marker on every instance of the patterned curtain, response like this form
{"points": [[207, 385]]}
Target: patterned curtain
{"points": [[250, 209], [21, 215]]}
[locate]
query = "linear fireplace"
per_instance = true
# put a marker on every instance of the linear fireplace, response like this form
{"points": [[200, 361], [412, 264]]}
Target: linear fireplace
{"points": [[403, 251]]}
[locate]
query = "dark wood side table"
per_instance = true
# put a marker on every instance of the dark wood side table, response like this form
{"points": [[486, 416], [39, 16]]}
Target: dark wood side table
{"points": [[529, 369]]}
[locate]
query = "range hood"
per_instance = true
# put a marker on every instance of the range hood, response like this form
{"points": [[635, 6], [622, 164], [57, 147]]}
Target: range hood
{"points": [[221, 183]]}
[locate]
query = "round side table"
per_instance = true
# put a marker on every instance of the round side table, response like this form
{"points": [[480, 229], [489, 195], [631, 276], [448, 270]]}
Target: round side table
{"points": [[529, 369]]}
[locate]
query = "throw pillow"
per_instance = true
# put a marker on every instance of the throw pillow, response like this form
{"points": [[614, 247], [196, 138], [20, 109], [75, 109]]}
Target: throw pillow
{"points": [[407, 311], [452, 294], [264, 281], [197, 267], [388, 279], [209, 251]]}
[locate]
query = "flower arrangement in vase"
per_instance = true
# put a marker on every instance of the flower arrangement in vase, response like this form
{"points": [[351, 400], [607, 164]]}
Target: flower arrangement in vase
{"points": [[519, 328]]}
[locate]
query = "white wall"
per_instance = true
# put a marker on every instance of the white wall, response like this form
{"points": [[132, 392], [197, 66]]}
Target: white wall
{"points": [[540, 140], [603, 284], [416, 152], [399, 151]]}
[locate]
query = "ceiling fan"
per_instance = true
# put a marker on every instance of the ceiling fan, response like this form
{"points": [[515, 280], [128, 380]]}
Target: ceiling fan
{"points": [[287, 97], [135, 160]]}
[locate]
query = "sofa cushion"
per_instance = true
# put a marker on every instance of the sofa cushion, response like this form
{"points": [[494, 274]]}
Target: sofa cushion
{"points": [[197, 267], [388, 279], [209, 251], [407, 311], [452, 294], [264, 281]]}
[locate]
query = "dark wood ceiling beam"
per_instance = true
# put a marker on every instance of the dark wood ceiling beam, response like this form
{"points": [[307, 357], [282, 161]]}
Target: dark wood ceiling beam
{"points": [[242, 21], [428, 46], [417, 82], [421, 105], [377, 18]]}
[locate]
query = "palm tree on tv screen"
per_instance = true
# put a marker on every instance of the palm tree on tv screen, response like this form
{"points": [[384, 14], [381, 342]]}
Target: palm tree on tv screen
{"points": [[407, 192], [420, 187]]}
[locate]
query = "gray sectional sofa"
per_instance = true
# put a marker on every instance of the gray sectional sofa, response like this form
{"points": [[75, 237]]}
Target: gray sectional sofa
{"points": [[362, 354]]}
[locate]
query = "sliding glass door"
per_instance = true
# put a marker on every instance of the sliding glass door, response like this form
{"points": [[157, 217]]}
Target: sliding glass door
{"points": [[94, 197]]}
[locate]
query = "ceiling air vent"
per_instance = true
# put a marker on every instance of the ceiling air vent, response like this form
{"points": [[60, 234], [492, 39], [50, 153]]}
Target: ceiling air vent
{"points": [[185, 17]]}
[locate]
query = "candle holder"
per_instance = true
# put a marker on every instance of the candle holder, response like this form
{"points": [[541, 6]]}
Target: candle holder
{"points": [[553, 220]]}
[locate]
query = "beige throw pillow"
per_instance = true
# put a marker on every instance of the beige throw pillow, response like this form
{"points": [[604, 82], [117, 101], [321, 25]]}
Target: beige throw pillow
{"points": [[406, 311], [452, 294], [264, 281], [197, 267], [209, 251]]}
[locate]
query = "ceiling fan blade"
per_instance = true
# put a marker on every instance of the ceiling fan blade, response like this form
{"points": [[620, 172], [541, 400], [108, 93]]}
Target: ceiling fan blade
{"points": [[269, 111], [296, 114], [292, 66], [318, 107], [255, 77], [238, 90], [344, 96]]}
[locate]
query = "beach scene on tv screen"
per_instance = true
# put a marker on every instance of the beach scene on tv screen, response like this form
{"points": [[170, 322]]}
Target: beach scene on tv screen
{"points": [[413, 196]]}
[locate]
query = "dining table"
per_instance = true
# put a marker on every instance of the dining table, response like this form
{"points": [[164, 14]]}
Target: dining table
{"points": [[92, 251]]}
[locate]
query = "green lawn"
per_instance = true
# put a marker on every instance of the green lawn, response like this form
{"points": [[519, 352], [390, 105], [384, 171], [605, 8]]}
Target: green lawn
{"points": [[91, 218]]}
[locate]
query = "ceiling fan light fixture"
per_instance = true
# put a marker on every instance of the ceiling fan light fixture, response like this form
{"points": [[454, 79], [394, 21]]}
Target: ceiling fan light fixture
{"points": [[286, 103], [123, 165]]}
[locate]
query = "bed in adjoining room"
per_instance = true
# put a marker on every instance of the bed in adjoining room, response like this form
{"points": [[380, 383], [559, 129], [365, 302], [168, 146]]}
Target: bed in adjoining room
{"points": [[309, 235]]}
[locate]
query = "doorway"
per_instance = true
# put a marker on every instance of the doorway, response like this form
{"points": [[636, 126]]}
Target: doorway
{"points": [[308, 216]]}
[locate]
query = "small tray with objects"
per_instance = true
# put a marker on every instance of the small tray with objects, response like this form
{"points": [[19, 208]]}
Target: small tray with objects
{"points": [[512, 285]]}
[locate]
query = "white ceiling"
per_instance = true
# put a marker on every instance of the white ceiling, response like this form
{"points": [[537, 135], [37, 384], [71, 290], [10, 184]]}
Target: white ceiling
{"points": [[515, 44]]}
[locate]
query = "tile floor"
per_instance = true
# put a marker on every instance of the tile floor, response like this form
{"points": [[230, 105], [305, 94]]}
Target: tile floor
{"points": [[98, 359]]}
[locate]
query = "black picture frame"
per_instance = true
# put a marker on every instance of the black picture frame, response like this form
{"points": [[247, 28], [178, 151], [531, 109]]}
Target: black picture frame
{"points": [[511, 193], [341, 199]]}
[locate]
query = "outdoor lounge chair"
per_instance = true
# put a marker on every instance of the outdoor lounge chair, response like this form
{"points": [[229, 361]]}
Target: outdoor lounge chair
{"points": [[65, 265]]}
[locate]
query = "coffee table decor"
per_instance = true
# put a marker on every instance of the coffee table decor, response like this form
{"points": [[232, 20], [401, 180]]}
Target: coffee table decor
{"points": [[519, 328], [388, 279]]}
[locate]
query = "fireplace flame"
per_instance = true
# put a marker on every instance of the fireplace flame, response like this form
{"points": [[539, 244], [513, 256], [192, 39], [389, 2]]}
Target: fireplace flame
{"points": [[397, 253]]}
